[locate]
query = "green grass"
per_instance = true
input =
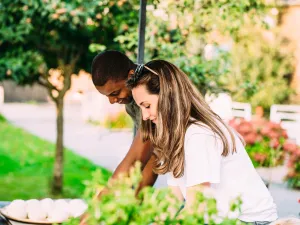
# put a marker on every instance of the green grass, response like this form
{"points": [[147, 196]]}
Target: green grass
{"points": [[26, 166]]}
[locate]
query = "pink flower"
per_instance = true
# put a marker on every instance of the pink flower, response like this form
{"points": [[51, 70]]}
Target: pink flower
{"points": [[290, 164], [284, 134], [234, 123], [291, 173], [260, 157], [259, 138], [272, 134], [294, 158], [265, 130], [250, 138], [245, 127], [259, 123], [274, 143], [275, 126], [290, 146]]}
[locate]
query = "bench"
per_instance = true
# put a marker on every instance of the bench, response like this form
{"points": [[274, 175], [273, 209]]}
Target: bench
{"points": [[241, 110], [289, 117]]}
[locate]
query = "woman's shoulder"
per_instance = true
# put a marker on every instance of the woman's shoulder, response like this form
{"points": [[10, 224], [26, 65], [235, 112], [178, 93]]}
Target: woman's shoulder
{"points": [[199, 129]]}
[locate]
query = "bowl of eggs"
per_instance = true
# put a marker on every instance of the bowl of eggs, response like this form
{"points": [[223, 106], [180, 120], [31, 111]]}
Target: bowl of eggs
{"points": [[45, 211]]}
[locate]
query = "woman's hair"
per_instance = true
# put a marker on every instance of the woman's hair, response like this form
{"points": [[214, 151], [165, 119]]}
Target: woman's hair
{"points": [[286, 221], [180, 104]]}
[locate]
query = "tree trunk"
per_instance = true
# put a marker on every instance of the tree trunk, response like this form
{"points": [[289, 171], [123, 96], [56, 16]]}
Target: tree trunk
{"points": [[57, 182], [67, 71]]}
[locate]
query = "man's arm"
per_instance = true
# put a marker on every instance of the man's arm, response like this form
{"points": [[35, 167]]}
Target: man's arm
{"points": [[139, 151]]}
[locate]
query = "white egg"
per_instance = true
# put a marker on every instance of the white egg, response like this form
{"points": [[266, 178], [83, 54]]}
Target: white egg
{"points": [[17, 211], [33, 203], [61, 204], [47, 204], [77, 207], [58, 215], [36, 214], [19, 203]]}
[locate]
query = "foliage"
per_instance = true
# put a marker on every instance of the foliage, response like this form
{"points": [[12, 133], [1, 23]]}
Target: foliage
{"points": [[180, 31], [39, 35], [121, 205], [293, 176], [261, 62], [2, 119], [27, 164], [118, 121], [47, 41], [264, 141]]}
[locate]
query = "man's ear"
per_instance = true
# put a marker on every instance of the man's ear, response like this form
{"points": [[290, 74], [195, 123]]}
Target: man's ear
{"points": [[130, 73]]}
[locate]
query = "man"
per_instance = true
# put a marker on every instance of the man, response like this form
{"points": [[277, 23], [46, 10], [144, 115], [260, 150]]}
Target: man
{"points": [[110, 71]]}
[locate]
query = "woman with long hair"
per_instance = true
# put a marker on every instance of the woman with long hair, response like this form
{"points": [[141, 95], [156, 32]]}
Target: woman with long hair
{"points": [[194, 146]]}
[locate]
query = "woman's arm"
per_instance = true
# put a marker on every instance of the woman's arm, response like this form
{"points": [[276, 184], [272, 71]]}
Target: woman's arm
{"points": [[175, 190], [191, 193]]}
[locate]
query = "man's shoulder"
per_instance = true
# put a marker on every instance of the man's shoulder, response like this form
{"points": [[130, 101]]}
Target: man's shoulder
{"points": [[132, 108], [134, 112], [131, 105]]}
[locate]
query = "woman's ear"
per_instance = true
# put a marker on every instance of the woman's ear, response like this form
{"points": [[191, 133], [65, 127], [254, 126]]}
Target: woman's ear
{"points": [[130, 73]]}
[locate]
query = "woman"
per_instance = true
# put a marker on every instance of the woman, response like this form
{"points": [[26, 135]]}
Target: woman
{"points": [[194, 146]]}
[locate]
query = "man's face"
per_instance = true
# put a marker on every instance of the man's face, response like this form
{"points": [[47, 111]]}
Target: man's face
{"points": [[116, 91]]}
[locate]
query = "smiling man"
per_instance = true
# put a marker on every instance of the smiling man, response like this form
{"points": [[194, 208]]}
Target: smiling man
{"points": [[110, 71]]}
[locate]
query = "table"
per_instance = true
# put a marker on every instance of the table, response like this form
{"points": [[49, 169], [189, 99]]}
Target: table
{"points": [[3, 221]]}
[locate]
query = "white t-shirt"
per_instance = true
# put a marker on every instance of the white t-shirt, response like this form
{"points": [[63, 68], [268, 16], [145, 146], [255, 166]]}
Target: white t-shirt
{"points": [[230, 176]]}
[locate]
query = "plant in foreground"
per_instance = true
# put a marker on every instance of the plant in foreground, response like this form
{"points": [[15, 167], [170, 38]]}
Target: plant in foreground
{"points": [[121, 205]]}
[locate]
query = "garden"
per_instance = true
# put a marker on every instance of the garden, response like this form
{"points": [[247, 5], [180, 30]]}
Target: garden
{"points": [[230, 46]]}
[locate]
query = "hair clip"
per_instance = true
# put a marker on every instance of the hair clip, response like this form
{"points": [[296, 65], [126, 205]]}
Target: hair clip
{"points": [[139, 70]]}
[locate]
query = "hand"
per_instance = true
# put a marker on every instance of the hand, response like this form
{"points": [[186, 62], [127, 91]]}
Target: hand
{"points": [[83, 219]]}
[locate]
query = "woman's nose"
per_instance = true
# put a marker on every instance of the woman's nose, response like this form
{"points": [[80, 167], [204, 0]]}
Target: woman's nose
{"points": [[145, 115]]}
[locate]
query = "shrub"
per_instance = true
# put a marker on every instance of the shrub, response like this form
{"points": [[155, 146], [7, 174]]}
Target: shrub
{"points": [[262, 64], [122, 206], [264, 141], [2, 118], [293, 176], [119, 121]]}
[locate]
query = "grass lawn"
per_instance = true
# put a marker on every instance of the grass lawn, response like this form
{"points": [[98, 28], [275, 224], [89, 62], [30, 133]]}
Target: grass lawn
{"points": [[26, 166]]}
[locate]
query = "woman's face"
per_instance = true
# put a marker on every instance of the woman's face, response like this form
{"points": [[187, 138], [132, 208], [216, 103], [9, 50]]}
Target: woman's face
{"points": [[147, 102]]}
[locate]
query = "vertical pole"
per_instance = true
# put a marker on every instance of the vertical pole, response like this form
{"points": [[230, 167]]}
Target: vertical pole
{"points": [[142, 28], [141, 44]]}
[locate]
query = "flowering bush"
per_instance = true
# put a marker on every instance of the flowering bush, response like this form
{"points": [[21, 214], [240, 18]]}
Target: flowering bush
{"points": [[120, 205], [264, 141], [119, 121], [293, 176]]}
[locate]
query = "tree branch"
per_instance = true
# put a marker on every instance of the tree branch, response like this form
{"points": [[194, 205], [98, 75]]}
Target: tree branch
{"points": [[68, 71], [47, 85], [50, 87]]}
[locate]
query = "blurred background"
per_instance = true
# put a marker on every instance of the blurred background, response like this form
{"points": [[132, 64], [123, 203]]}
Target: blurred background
{"points": [[56, 129]]}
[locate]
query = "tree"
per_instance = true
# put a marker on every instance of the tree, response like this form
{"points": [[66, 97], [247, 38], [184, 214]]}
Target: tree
{"points": [[45, 42], [181, 31], [262, 62]]}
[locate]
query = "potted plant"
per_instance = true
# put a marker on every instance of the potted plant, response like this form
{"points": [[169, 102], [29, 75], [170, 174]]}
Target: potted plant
{"points": [[293, 176], [264, 143]]}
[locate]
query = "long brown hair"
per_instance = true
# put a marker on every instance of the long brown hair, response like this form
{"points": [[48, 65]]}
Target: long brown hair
{"points": [[180, 104]]}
